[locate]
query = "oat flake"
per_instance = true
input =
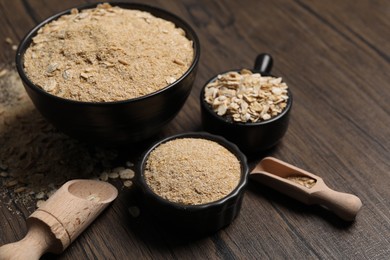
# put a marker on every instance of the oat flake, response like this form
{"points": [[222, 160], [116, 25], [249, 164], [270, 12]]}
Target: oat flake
{"points": [[246, 97]]}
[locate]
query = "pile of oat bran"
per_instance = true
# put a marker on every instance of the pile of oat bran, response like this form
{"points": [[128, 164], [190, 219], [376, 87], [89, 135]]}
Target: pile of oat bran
{"points": [[192, 171], [107, 54]]}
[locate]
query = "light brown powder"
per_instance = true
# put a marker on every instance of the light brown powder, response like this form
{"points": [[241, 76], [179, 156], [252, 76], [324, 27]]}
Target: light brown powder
{"points": [[36, 159], [192, 171], [107, 54], [302, 180]]}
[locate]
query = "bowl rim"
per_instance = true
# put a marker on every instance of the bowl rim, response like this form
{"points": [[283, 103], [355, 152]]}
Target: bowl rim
{"points": [[140, 177], [27, 39], [221, 119]]}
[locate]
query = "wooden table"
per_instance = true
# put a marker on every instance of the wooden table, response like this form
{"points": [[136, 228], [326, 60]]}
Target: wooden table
{"points": [[335, 57]]}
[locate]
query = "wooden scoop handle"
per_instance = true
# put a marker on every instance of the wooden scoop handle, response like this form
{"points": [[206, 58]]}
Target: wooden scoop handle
{"points": [[274, 172], [61, 219], [344, 205], [37, 241]]}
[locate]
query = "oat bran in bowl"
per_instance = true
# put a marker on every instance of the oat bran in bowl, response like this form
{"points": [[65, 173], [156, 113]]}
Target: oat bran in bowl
{"points": [[193, 182], [109, 74]]}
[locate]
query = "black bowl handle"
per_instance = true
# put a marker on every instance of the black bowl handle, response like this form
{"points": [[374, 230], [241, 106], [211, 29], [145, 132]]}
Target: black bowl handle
{"points": [[264, 63]]}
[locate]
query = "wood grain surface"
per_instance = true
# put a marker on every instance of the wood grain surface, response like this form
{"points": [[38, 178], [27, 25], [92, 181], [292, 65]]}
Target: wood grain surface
{"points": [[335, 57]]}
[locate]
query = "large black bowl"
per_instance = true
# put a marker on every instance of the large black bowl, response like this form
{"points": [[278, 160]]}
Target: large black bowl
{"points": [[249, 137], [194, 220], [113, 123]]}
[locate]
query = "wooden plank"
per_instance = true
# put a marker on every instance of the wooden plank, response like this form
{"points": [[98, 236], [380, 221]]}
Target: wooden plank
{"points": [[335, 57]]}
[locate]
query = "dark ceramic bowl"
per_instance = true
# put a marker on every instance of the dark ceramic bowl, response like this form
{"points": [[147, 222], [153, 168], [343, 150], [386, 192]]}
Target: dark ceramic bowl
{"points": [[194, 219], [249, 137], [113, 123]]}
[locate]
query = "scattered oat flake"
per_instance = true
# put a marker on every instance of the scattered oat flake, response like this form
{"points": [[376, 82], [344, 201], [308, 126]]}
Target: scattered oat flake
{"points": [[20, 189], [40, 195], [127, 183], [67, 74], [113, 175], [40, 203], [179, 62], [9, 40], [93, 197], [170, 80], [126, 174], [52, 67], [103, 176], [50, 85], [11, 183], [122, 61], [84, 75], [3, 72], [74, 11]]}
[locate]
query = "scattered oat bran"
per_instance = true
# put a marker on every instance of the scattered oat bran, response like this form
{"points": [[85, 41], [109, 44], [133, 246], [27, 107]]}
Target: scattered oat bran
{"points": [[35, 158], [192, 171], [107, 54]]}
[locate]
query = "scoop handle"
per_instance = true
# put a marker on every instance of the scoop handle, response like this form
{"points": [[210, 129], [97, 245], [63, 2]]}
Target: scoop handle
{"points": [[32, 246], [263, 63], [344, 205], [61, 219]]}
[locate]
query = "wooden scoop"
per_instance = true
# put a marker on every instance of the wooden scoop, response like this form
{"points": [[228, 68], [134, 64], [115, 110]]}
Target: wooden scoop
{"points": [[61, 219], [284, 178]]}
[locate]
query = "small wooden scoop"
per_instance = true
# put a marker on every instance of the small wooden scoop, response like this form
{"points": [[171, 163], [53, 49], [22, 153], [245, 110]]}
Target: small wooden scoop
{"points": [[61, 219], [284, 178]]}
